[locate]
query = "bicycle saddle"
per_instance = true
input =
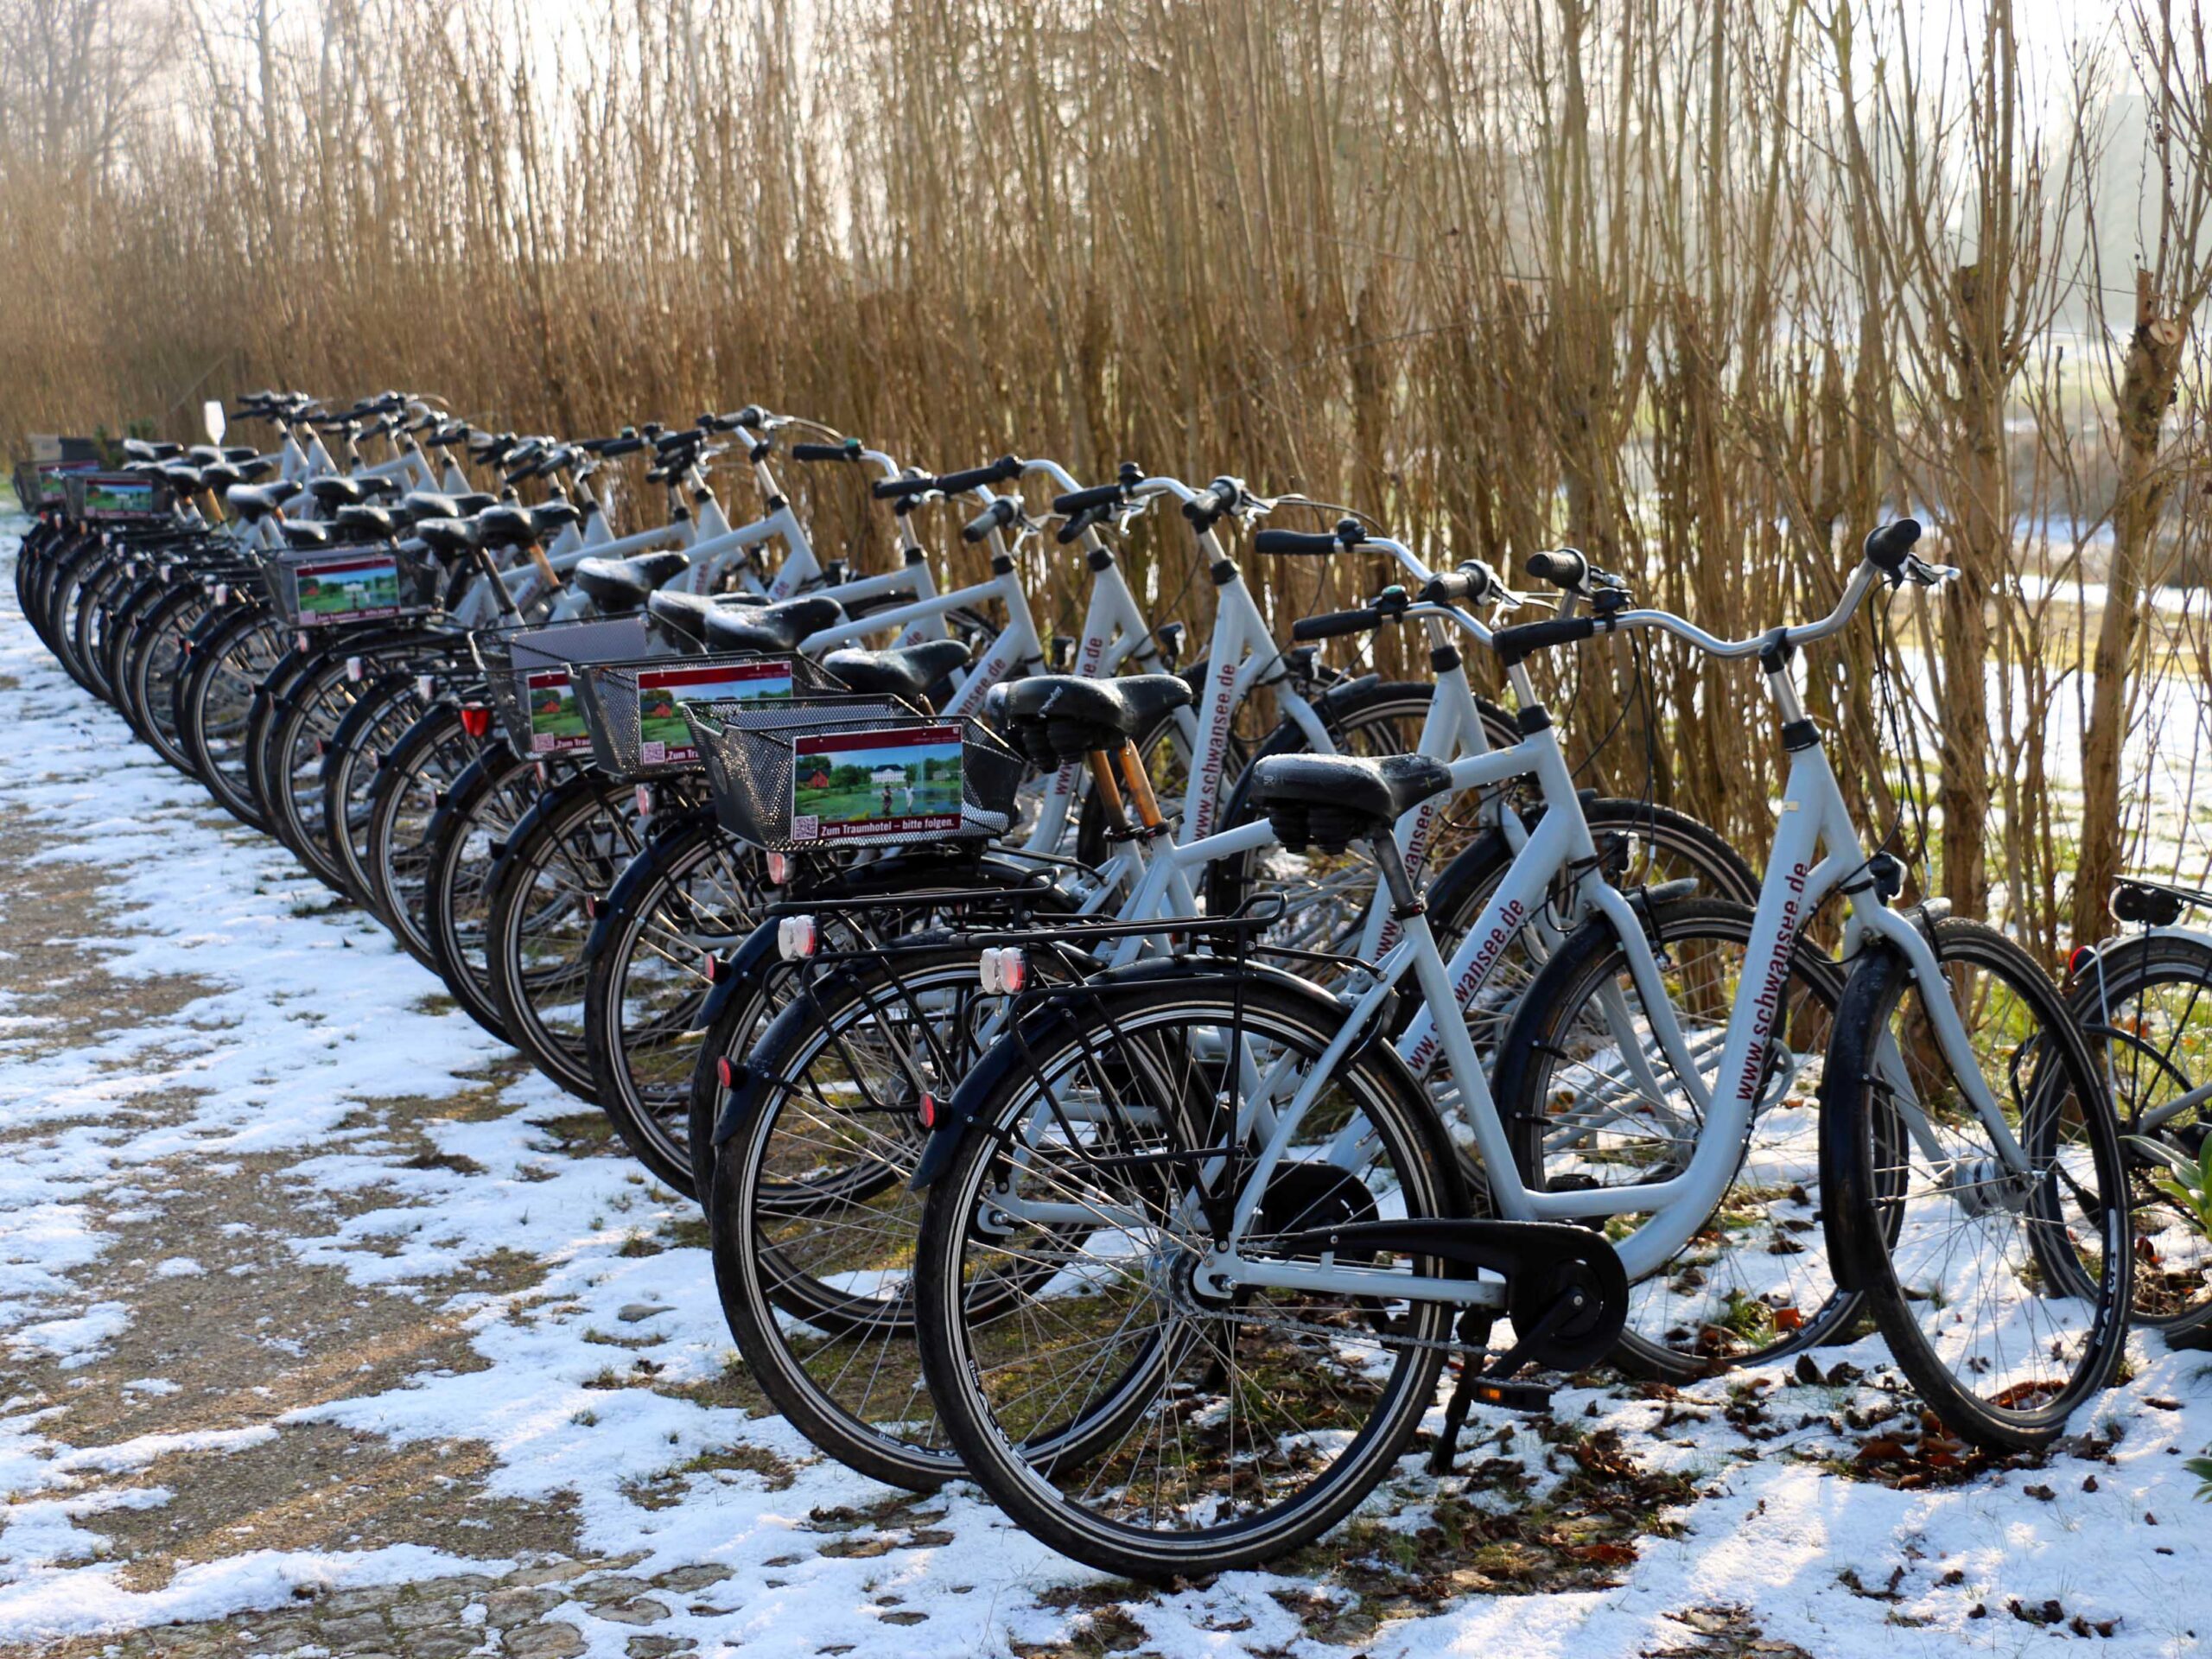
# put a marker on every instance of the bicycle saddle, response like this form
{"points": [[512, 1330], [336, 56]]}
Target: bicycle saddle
{"points": [[1332, 800], [254, 502], [620, 585], [902, 672], [508, 525], [300, 533], [681, 618], [1055, 719], [140, 449], [331, 493], [364, 521], [771, 627], [447, 539], [184, 479]]}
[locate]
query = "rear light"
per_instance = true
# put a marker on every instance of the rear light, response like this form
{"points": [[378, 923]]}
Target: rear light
{"points": [[591, 908], [353, 664], [301, 641], [476, 719], [1003, 971], [2082, 956], [713, 968], [796, 936], [925, 1109], [725, 1073], [426, 686], [645, 800], [779, 869]]}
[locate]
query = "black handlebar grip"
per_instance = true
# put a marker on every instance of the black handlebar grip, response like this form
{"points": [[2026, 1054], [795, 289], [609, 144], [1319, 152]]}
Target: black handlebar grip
{"points": [[1079, 522], [997, 472], [1308, 542], [988, 519], [896, 489], [1336, 622], [1098, 495], [1514, 644], [823, 452], [1892, 544], [1564, 568]]}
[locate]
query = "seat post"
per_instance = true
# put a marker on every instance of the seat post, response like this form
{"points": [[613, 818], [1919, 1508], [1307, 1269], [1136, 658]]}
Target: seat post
{"points": [[1404, 901]]}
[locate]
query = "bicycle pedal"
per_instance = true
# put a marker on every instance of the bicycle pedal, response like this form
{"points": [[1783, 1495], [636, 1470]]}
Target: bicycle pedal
{"points": [[1513, 1396]]}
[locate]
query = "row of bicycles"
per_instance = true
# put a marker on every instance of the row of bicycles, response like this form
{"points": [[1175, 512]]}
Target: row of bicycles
{"points": [[1159, 1085]]}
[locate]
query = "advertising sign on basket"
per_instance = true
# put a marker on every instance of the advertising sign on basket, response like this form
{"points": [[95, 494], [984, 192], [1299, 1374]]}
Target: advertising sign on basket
{"points": [[848, 785], [556, 724], [112, 495], [663, 736], [347, 588]]}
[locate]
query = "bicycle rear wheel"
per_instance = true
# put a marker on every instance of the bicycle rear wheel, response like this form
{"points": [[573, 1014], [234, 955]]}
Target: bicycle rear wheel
{"points": [[1113, 1406], [2146, 1004], [2001, 1284]]}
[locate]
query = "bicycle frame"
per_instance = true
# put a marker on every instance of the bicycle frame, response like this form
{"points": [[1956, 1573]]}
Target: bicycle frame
{"points": [[1817, 852]]}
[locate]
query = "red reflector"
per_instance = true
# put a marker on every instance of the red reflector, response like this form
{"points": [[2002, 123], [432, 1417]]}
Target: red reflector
{"points": [[475, 719], [713, 969], [591, 908], [925, 1109], [724, 1071], [2082, 956]]}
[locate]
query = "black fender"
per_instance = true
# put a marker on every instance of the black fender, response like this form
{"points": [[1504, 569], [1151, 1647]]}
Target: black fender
{"points": [[1046, 1022], [883, 878], [743, 966], [1848, 1217], [574, 785], [645, 867]]}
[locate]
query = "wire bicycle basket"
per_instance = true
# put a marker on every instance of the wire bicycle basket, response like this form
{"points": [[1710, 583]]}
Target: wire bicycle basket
{"points": [[323, 587], [530, 672], [820, 773], [633, 710]]}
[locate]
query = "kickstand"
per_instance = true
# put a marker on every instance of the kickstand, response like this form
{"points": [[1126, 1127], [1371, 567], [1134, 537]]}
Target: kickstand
{"points": [[1488, 1383]]}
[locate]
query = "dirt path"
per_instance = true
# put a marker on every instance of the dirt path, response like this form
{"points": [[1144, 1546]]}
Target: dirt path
{"points": [[325, 1329]]}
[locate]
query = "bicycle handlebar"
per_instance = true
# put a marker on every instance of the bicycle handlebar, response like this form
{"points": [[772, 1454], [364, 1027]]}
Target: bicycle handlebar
{"points": [[1004, 470], [1313, 543]]}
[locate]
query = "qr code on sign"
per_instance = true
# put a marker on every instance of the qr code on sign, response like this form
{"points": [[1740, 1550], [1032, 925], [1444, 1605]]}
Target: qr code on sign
{"points": [[806, 826], [651, 754]]}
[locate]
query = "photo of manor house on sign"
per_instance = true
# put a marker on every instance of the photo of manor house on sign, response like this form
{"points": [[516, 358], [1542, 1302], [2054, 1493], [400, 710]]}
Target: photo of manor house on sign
{"points": [[849, 785]]}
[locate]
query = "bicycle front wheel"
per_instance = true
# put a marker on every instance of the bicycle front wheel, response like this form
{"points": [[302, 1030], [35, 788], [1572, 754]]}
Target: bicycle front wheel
{"points": [[1992, 1250]]}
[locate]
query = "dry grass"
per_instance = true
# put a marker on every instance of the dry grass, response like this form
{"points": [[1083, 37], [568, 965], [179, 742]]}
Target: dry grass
{"points": [[1683, 283]]}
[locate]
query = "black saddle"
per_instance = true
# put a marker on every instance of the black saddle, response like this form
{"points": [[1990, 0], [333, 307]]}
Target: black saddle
{"points": [[332, 494], [141, 449], [447, 539], [219, 476], [418, 504], [1331, 800], [182, 478], [903, 671], [680, 620], [364, 522], [300, 533], [254, 502], [1057, 718], [771, 627], [617, 585]]}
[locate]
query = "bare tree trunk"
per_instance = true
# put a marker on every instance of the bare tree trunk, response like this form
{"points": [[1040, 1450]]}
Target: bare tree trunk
{"points": [[2146, 389]]}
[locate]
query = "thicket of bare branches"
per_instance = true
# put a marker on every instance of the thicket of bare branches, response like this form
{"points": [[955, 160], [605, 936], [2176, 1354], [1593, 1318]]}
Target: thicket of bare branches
{"points": [[1707, 287]]}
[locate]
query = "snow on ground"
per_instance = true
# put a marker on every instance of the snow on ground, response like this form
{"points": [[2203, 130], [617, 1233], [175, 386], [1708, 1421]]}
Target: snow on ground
{"points": [[297, 1016]]}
